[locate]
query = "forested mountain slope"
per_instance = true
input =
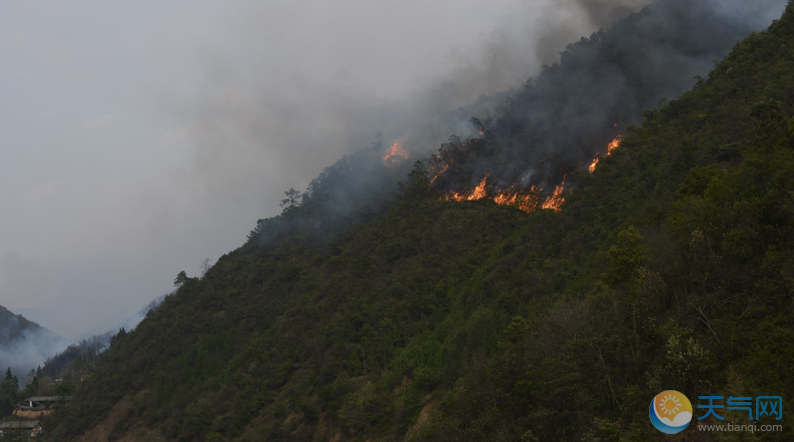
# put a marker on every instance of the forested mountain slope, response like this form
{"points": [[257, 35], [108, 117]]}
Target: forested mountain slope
{"points": [[669, 267]]}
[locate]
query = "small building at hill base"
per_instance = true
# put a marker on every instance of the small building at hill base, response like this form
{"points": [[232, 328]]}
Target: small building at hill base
{"points": [[39, 406], [31, 426]]}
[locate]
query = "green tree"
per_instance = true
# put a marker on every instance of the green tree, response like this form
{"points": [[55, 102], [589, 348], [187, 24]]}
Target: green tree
{"points": [[625, 256], [9, 392], [181, 279], [291, 200]]}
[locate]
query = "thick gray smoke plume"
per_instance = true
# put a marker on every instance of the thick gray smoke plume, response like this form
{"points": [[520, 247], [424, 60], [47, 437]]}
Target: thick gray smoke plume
{"points": [[256, 124], [601, 85], [277, 103]]}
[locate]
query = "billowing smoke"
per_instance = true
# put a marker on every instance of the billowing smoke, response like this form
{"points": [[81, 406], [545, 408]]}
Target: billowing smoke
{"points": [[276, 103], [256, 124], [606, 12], [570, 112]]}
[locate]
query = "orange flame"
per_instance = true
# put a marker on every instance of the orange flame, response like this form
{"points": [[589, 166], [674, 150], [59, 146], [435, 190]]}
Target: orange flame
{"points": [[440, 172], [477, 194], [592, 166], [395, 154], [554, 202], [610, 147], [614, 144], [526, 201]]}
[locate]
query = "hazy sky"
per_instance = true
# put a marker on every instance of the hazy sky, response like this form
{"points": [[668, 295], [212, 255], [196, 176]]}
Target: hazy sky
{"points": [[139, 138]]}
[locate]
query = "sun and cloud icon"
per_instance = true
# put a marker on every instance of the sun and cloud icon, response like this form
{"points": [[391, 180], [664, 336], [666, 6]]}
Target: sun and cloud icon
{"points": [[670, 411]]}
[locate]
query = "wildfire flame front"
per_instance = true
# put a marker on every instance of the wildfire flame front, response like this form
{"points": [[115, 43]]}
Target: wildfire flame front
{"points": [[610, 147], [395, 154], [527, 201]]}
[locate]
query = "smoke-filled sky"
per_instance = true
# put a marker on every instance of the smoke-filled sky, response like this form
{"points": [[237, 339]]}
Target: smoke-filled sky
{"points": [[139, 138]]}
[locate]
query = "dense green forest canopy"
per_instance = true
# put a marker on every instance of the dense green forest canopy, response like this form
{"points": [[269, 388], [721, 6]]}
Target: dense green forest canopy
{"points": [[669, 267]]}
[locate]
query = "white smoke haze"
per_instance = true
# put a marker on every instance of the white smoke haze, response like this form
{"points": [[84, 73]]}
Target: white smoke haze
{"points": [[139, 139], [25, 346], [29, 352]]}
